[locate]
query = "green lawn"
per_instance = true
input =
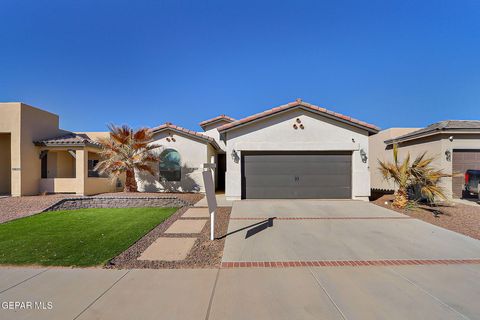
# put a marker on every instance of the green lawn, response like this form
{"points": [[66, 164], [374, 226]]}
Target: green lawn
{"points": [[85, 237]]}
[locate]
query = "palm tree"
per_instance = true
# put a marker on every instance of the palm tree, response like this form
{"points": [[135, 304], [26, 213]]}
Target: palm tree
{"points": [[418, 174], [126, 151]]}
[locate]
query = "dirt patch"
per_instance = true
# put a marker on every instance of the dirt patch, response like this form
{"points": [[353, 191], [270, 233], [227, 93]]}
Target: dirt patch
{"points": [[204, 254], [457, 217]]}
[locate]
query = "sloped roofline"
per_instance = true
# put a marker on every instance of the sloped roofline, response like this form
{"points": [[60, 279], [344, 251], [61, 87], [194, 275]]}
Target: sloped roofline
{"points": [[187, 132], [437, 128], [221, 117], [68, 140], [303, 105]]}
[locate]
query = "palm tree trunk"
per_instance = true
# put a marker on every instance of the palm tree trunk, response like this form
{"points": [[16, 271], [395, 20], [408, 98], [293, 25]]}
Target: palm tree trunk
{"points": [[401, 198], [130, 182]]}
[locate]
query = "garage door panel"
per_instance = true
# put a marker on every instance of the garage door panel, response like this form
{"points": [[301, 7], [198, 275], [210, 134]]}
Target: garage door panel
{"points": [[328, 180], [297, 169], [298, 193], [307, 176]]}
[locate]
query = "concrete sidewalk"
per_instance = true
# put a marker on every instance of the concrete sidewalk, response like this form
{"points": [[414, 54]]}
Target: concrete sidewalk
{"points": [[406, 292]]}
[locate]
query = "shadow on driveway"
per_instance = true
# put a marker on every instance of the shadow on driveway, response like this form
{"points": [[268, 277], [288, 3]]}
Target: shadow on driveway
{"points": [[257, 227]]}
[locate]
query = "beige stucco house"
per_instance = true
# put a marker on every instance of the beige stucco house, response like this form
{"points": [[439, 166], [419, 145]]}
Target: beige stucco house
{"points": [[36, 156], [454, 143], [297, 150]]}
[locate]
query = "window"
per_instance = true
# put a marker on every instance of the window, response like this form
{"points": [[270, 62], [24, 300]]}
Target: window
{"points": [[170, 168], [91, 172]]}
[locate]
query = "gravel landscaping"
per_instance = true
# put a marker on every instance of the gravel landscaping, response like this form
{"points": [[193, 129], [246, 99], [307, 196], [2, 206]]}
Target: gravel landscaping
{"points": [[12, 208], [204, 254], [457, 217]]}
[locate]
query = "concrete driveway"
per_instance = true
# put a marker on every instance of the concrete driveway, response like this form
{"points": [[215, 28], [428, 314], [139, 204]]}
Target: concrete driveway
{"points": [[315, 230]]}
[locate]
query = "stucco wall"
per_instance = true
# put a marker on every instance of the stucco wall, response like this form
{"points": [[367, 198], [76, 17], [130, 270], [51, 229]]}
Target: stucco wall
{"points": [[36, 125], [211, 131], [65, 165], [10, 123], [378, 151], [193, 155], [5, 167], [277, 134]]}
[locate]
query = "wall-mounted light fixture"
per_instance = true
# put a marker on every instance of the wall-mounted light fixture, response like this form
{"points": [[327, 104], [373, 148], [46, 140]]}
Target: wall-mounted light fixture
{"points": [[448, 155], [363, 155], [295, 126], [235, 156], [450, 138], [353, 140]]}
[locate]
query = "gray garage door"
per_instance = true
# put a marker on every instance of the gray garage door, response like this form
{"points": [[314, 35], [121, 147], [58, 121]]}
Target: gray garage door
{"points": [[296, 175], [462, 161]]}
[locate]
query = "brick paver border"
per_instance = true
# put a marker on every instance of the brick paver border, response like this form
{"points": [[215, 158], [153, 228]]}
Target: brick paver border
{"points": [[320, 218], [342, 263]]}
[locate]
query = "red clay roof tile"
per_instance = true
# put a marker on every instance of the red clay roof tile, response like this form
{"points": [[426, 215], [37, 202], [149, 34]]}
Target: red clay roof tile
{"points": [[294, 104], [220, 117], [169, 125]]}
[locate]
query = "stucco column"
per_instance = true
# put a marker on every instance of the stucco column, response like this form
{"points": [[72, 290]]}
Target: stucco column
{"points": [[81, 167]]}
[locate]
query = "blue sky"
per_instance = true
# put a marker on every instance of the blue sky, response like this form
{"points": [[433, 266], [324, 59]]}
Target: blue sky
{"points": [[391, 63]]}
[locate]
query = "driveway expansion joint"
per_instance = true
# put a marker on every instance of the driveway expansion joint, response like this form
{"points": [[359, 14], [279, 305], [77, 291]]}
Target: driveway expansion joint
{"points": [[413, 283], [101, 295], [25, 280]]}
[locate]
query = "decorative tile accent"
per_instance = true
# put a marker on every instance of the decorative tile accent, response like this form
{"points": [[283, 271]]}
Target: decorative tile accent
{"points": [[342, 263]]}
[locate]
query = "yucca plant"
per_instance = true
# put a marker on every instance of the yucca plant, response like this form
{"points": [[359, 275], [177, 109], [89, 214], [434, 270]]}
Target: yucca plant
{"points": [[126, 151], [417, 174]]}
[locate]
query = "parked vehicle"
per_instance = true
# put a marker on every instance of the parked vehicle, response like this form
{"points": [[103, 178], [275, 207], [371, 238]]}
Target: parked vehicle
{"points": [[472, 180]]}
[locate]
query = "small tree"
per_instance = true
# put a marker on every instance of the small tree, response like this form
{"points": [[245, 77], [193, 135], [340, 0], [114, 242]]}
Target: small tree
{"points": [[407, 175], [125, 151]]}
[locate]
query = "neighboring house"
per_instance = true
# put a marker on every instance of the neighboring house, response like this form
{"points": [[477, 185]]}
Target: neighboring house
{"points": [[37, 156], [297, 150], [454, 143]]}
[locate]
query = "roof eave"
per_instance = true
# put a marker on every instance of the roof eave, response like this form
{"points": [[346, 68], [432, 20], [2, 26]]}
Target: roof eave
{"points": [[205, 124], [81, 144], [306, 108], [193, 136], [431, 133]]}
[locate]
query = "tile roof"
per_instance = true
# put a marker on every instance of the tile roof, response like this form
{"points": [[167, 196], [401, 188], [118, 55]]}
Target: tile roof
{"points": [[198, 135], [220, 117], [299, 103], [438, 127], [69, 139]]}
